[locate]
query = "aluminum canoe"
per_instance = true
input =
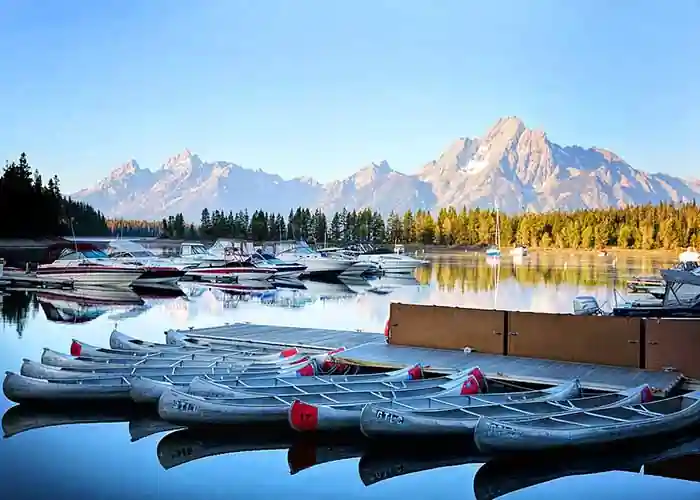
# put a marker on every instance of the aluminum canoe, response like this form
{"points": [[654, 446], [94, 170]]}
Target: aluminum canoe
{"points": [[178, 341], [145, 390], [309, 417], [593, 427], [122, 345], [206, 388], [187, 409], [38, 370], [392, 420], [53, 358], [41, 383]]}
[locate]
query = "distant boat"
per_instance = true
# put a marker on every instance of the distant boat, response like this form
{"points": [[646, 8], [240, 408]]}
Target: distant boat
{"points": [[495, 250], [519, 251]]}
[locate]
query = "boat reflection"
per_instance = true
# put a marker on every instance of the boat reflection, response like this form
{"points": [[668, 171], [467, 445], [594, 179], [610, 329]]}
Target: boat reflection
{"points": [[83, 304], [499, 477], [142, 423], [678, 459]]}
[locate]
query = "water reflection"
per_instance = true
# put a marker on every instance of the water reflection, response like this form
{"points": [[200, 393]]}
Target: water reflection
{"points": [[130, 453]]}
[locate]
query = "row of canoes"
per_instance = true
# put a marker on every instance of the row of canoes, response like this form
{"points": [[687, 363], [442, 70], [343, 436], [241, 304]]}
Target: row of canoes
{"points": [[200, 382], [377, 463]]}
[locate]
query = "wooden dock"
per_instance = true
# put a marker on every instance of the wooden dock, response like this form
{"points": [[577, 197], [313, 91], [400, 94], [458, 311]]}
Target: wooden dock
{"points": [[371, 349]]}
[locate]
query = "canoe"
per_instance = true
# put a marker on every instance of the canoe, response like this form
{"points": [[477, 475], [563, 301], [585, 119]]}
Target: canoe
{"points": [[306, 416], [37, 370], [391, 420], [40, 383], [144, 390], [121, 341], [206, 388], [593, 427], [135, 348], [178, 407], [53, 358], [193, 369]]}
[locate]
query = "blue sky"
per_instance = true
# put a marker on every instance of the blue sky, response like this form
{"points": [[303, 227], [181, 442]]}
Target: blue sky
{"points": [[321, 88]]}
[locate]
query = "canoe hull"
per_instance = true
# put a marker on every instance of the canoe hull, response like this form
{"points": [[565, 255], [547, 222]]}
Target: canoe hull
{"points": [[19, 388], [378, 421], [492, 436]]}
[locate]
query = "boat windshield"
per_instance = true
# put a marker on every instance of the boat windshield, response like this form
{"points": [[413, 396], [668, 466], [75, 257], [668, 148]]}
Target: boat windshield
{"points": [[198, 250], [271, 258]]}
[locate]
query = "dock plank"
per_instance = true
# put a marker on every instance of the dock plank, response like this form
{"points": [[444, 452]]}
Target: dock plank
{"points": [[370, 349], [512, 368]]}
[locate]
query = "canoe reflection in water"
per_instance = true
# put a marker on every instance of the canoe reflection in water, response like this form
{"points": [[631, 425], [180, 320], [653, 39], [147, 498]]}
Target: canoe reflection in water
{"points": [[677, 458], [141, 422]]}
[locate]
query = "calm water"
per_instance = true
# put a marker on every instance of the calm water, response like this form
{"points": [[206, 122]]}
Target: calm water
{"points": [[99, 460]]}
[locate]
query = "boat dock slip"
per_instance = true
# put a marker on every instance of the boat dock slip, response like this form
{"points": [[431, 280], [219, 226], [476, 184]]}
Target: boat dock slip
{"points": [[371, 349]]}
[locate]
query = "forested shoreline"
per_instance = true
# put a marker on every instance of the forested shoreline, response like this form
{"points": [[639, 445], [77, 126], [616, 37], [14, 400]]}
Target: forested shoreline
{"points": [[30, 208], [645, 227]]}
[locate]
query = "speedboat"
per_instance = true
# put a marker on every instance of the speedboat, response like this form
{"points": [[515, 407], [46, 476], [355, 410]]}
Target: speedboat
{"points": [[387, 260], [159, 271], [88, 265], [236, 270], [317, 264], [284, 269], [493, 251], [197, 253], [681, 298]]}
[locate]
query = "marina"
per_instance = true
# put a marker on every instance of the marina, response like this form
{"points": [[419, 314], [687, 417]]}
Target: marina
{"points": [[354, 362]]}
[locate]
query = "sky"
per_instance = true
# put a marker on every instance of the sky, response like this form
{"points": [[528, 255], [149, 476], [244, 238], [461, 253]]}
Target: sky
{"points": [[321, 88]]}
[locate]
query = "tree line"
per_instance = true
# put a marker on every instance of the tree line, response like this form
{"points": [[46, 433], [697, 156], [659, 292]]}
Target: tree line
{"points": [[662, 226], [30, 208]]}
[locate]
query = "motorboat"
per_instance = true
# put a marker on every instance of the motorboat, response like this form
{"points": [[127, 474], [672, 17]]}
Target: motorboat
{"points": [[681, 298], [493, 251], [232, 271], [2, 266], [385, 259], [198, 253], [284, 269], [317, 264], [160, 271], [88, 265]]}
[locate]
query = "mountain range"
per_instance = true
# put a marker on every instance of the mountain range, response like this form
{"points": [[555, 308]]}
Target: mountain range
{"points": [[519, 168]]}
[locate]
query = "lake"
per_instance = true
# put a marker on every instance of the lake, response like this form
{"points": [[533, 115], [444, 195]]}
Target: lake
{"points": [[100, 460]]}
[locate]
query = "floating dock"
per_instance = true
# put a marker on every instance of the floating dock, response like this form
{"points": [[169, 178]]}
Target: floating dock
{"points": [[10, 279], [371, 349]]}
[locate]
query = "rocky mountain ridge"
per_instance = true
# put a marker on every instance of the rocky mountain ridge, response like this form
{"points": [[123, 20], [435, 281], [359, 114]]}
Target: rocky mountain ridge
{"points": [[519, 168]]}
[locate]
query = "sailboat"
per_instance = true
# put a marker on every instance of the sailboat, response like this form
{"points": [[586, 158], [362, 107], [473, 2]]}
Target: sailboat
{"points": [[495, 250]]}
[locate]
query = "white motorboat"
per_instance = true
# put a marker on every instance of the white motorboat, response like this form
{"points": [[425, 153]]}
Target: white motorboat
{"points": [[238, 271], [317, 264], [284, 269], [387, 260], [88, 265], [519, 251], [359, 268], [160, 271], [199, 254]]}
